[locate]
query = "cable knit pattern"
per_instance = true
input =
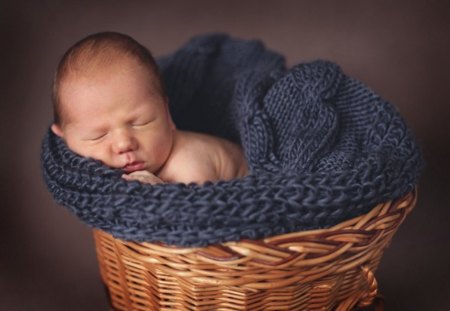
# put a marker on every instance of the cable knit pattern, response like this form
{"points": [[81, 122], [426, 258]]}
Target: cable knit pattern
{"points": [[321, 147]]}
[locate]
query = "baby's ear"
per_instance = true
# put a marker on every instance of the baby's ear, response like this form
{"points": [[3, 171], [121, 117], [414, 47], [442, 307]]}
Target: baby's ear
{"points": [[56, 129]]}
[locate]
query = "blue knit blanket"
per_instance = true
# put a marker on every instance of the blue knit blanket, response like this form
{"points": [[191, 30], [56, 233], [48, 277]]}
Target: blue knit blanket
{"points": [[322, 148]]}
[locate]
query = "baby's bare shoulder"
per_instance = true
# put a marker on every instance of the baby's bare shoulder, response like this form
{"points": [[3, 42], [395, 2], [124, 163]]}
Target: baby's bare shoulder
{"points": [[192, 159], [227, 157], [197, 147], [199, 157]]}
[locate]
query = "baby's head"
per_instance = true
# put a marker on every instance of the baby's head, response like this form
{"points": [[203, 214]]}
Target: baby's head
{"points": [[109, 103]]}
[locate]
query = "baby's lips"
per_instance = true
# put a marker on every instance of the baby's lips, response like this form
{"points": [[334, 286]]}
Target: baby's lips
{"points": [[134, 166]]}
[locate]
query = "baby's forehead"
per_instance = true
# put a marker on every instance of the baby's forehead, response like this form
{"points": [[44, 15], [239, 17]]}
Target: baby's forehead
{"points": [[84, 93]]}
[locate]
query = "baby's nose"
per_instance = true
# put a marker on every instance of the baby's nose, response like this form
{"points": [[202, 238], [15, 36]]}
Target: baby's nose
{"points": [[124, 142]]}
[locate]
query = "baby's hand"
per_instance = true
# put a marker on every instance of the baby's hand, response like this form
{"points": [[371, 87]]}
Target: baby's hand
{"points": [[144, 177]]}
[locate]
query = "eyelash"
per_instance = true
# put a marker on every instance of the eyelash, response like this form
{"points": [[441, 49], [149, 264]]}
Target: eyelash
{"points": [[98, 137], [141, 123]]}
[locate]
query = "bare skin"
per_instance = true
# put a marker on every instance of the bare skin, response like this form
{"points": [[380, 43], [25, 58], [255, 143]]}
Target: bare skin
{"points": [[111, 114]]}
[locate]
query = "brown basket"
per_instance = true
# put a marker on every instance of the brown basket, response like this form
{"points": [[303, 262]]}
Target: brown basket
{"points": [[328, 269]]}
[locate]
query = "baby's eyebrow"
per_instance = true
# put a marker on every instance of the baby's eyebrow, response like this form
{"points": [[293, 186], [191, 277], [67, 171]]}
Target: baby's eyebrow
{"points": [[89, 130], [140, 113]]}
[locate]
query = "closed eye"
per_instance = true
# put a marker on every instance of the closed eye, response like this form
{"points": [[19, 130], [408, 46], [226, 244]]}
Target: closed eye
{"points": [[96, 138], [142, 123]]}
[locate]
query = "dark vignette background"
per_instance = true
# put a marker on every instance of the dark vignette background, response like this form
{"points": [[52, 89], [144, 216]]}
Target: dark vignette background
{"points": [[401, 49]]}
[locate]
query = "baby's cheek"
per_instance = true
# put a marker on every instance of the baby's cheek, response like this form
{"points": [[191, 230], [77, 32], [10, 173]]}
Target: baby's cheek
{"points": [[149, 141], [81, 149], [99, 153], [108, 157]]}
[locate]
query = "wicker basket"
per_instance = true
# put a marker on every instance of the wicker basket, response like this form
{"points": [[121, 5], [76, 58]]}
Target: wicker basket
{"points": [[328, 269]]}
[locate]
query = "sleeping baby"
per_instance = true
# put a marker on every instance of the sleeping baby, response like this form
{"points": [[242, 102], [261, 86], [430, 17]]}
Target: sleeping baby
{"points": [[110, 105]]}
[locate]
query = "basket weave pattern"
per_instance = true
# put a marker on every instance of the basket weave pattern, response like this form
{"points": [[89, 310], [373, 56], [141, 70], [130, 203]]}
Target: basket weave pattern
{"points": [[327, 269]]}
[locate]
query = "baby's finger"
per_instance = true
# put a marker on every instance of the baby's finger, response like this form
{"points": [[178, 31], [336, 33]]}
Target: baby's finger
{"points": [[144, 178]]}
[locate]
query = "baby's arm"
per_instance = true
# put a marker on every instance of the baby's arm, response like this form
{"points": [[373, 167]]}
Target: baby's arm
{"points": [[144, 177]]}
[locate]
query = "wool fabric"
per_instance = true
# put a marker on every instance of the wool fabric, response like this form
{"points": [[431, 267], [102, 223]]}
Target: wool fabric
{"points": [[321, 148]]}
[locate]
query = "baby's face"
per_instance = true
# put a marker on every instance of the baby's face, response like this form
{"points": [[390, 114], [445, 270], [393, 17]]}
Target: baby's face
{"points": [[114, 116]]}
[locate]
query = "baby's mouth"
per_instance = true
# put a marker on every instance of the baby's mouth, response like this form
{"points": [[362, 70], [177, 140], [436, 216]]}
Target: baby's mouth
{"points": [[134, 166]]}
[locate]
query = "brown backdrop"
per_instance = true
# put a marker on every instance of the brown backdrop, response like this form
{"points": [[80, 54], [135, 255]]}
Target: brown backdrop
{"points": [[401, 49]]}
